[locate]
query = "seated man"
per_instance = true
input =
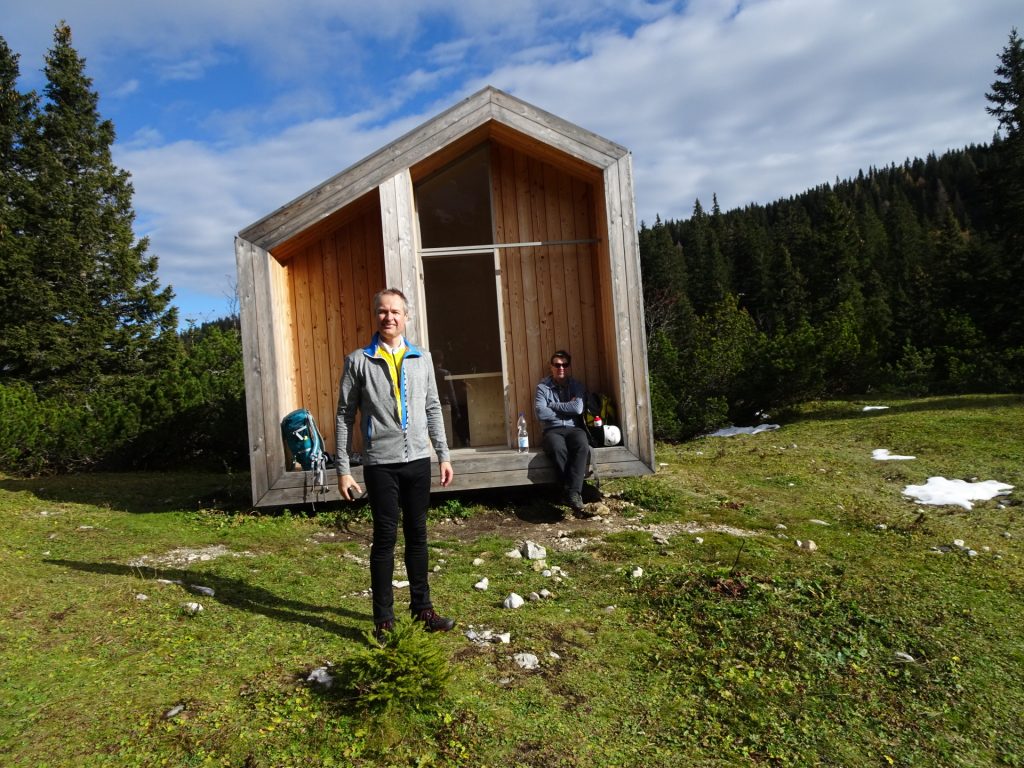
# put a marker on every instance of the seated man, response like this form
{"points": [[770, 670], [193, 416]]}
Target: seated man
{"points": [[559, 406]]}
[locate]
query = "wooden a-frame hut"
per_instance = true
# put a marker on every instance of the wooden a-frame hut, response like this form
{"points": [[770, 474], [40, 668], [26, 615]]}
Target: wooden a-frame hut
{"points": [[513, 234]]}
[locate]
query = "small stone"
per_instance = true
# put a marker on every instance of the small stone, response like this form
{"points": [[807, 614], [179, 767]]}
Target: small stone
{"points": [[141, 597], [986, 549], [532, 551], [636, 573], [437, 569], [609, 609], [321, 676], [959, 543], [482, 584], [400, 584], [515, 554], [478, 561], [780, 527], [544, 594], [546, 573], [504, 638], [540, 565], [533, 597], [553, 655], [971, 553], [698, 540], [881, 527], [807, 544], [1007, 535], [513, 601], [201, 590], [903, 657], [527, 660], [660, 539], [174, 711], [192, 609], [817, 522]]}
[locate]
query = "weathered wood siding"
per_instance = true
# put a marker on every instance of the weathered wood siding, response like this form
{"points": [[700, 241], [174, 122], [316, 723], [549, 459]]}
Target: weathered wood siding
{"points": [[551, 297], [330, 284]]}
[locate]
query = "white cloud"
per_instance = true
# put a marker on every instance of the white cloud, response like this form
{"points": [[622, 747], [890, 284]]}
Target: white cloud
{"points": [[753, 101]]}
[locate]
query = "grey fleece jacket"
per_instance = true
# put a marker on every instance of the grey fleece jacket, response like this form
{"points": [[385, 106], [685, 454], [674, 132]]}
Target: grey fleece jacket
{"points": [[366, 388]]}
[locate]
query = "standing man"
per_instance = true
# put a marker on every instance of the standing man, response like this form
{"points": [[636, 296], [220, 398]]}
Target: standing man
{"points": [[391, 384], [559, 406]]}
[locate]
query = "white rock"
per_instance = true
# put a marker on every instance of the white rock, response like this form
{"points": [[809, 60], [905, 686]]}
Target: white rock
{"points": [[545, 594], [553, 655], [698, 540], [609, 609], [807, 544], [986, 549], [504, 637], [660, 539], [1007, 535], [174, 711], [532, 551], [141, 596], [636, 573], [906, 658], [546, 573], [540, 565], [527, 660], [817, 522], [780, 527], [533, 597], [515, 554], [958, 543], [321, 676], [881, 527], [513, 601], [482, 584], [191, 609], [437, 569], [400, 584], [971, 553], [478, 561], [201, 590]]}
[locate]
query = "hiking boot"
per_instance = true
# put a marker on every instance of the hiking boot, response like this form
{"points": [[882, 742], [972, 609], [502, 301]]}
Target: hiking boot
{"points": [[382, 630], [575, 501], [433, 622]]}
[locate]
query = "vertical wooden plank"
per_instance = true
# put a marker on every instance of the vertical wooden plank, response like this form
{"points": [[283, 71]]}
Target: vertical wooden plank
{"points": [[585, 229], [555, 257], [304, 329], [347, 290], [401, 260], [571, 267], [536, 346], [638, 335], [542, 268], [249, 315], [320, 404], [335, 343]]}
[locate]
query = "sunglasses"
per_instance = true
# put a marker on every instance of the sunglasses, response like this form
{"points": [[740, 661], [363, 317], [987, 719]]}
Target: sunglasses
{"points": [[561, 365]]}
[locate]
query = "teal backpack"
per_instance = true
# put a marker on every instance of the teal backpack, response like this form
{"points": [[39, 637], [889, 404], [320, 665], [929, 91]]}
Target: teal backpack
{"points": [[305, 443]]}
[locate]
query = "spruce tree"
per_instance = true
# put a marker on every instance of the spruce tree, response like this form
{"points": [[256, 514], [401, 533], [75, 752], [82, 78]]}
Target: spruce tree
{"points": [[16, 115], [94, 308], [1006, 177]]}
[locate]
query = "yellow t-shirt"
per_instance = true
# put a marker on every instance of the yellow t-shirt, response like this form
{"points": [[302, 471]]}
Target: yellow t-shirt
{"points": [[394, 357]]}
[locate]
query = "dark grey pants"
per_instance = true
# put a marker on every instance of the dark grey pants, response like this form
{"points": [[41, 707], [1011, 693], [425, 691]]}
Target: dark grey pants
{"points": [[569, 448]]}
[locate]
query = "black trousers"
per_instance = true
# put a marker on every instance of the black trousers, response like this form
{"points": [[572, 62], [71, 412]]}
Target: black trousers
{"points": [[398, 491], [569, 448]]}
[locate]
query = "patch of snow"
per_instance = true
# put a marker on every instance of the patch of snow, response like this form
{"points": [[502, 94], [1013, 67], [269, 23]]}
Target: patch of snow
{"points": [[940, 491], [882, 454], [730, 431]]}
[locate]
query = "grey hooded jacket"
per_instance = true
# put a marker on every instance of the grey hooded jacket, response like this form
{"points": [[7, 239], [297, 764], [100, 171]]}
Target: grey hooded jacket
{"points": [[366, 388]]}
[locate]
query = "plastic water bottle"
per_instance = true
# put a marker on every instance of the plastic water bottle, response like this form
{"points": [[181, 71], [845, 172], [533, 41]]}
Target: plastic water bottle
{"points": [[522, 436]]}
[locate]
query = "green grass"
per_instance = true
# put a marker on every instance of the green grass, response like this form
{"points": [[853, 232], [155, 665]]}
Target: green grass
{"points": [[734, 651]]}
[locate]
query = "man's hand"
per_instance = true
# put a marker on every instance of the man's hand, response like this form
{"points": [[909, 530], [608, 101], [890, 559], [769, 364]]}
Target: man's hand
{"points": [[446, 474], [349, 488]]}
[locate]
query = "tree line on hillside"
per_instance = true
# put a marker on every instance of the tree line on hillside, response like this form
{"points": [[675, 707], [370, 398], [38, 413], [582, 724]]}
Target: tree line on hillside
{"points": [[93, 369], [906, 278]]}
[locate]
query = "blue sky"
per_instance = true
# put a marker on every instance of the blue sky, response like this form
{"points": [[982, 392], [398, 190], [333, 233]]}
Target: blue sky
{"points": [[227, 109]]}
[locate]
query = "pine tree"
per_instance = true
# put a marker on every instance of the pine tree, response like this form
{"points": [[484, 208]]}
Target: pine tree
{"points": [[16, 115], [93, 307], [1007, 176]]}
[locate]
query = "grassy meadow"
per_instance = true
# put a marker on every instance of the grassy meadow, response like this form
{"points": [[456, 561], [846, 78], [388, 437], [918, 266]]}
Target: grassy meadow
{"points": [[687, 628]]}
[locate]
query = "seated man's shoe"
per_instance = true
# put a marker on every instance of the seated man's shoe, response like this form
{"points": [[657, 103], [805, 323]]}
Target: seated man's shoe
{"points": [[579, 509], [433, 622], [382, 630]]}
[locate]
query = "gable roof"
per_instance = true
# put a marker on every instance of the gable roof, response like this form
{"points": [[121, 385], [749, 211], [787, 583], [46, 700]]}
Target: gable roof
{"points": [[488, 112]]}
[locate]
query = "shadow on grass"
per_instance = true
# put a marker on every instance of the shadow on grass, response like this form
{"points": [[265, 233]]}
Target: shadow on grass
{"points": [[853, 410], [141, 491], [235, 594]]}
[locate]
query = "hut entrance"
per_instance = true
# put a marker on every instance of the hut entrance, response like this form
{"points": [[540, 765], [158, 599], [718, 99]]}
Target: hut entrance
{"points": [[465, 341]]}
